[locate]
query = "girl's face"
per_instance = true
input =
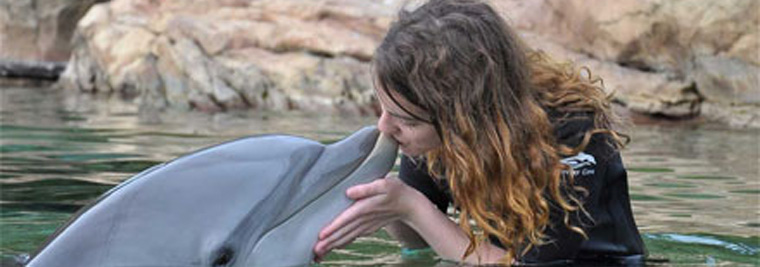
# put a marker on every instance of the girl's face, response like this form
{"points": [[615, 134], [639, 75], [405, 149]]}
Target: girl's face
{"points": [[414, 137]]}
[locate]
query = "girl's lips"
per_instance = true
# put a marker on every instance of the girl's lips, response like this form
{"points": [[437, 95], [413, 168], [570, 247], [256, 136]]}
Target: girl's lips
{"points": [[398, 142]]}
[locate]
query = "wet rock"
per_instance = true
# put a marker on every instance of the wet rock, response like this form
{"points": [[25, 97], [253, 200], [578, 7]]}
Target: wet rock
{"points": [[31, 69]]}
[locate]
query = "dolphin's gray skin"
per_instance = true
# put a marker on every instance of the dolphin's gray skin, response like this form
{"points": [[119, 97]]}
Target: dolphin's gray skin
{"points": [[257, 201]]}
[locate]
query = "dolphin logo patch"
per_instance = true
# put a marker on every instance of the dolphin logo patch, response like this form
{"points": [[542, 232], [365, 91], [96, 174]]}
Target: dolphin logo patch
{"points": [[583, 164]]}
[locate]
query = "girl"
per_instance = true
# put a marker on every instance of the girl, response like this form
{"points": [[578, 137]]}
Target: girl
{"points": [[522, 146]]}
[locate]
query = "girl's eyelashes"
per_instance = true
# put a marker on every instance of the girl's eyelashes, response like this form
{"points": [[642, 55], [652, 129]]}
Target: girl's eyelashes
{"points": [[409, 123]]}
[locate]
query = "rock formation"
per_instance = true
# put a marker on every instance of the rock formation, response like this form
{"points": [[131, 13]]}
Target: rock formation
{"points": [[220, 55], [672, 58], [39, 30], [677, 59]]}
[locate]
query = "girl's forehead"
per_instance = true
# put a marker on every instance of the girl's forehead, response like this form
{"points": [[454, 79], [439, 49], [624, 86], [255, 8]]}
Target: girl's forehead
{"points": [[388, 103], [393, 106]]}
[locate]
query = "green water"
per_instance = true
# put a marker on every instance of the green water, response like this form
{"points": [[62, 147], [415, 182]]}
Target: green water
{"points": [[695, 190]]}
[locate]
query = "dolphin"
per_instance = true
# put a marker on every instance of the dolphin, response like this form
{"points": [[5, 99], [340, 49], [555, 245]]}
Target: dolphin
{"points": [[256, 201]]}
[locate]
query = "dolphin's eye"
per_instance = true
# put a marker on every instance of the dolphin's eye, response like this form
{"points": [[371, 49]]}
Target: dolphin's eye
{"points": [[223, 257]]}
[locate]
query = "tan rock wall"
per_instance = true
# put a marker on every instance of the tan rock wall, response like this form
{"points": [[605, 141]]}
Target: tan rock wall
{"points": [[660, 57], [703, 51], [209, 55]]}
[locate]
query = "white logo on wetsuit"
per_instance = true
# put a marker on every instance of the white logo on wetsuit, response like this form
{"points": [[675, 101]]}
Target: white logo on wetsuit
{"points": [[582, 164]]}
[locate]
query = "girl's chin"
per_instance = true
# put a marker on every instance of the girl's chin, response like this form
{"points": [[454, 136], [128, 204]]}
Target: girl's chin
{"points": [[414, 151], [408, 152], [403, 150]]}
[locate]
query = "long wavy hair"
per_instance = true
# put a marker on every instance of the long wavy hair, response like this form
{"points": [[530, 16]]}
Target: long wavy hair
{"points": [[488, 98]]}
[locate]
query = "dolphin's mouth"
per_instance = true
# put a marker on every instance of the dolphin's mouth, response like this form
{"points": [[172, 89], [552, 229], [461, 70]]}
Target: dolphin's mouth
{"points": [[223, 256]]}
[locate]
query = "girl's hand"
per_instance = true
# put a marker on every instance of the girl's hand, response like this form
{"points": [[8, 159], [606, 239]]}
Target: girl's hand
{"points": [[377, 203]]}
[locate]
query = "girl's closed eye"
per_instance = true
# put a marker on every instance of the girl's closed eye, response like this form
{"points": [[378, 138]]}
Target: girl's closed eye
{"points": [[410, 123]]}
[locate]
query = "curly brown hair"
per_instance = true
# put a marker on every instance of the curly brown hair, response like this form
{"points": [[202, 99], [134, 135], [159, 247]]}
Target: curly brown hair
{"points": [[488, 98]]}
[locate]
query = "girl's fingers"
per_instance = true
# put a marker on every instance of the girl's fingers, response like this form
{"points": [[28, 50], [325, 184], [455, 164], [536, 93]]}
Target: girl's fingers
{"points": [[360, 211], [372, 210], [360, 227], [356, 211], [339, 222], [342, 238], [350, 227], [367, 190]]}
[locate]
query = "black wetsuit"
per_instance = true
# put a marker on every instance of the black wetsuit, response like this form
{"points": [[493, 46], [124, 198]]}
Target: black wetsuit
{"points": [[613, 238]]}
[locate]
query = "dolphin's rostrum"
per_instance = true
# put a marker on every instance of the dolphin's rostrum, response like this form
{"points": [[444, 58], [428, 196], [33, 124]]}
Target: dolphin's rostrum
{"points": [[257, 201]]}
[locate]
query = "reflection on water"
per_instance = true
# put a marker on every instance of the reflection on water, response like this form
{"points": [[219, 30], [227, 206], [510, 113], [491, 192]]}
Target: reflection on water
{"points": [[687, 180], [696, 192]]}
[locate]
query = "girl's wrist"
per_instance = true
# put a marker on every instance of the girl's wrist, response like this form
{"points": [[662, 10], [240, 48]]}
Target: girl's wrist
{"points": [[417, 203]]}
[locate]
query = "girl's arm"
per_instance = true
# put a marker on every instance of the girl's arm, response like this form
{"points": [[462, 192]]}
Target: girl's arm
{"points": [[405, 235], [447, 239]]}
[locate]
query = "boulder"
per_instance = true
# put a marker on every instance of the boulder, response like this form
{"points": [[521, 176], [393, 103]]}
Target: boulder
{"points": [[39, 30]]}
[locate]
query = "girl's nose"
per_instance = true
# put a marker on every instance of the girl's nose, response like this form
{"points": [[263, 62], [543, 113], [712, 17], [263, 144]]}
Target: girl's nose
{"points": [[385, 124]]}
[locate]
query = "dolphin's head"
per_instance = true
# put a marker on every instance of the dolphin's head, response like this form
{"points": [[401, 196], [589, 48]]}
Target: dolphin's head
{"points": [[257, 201], [320, 196]]}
